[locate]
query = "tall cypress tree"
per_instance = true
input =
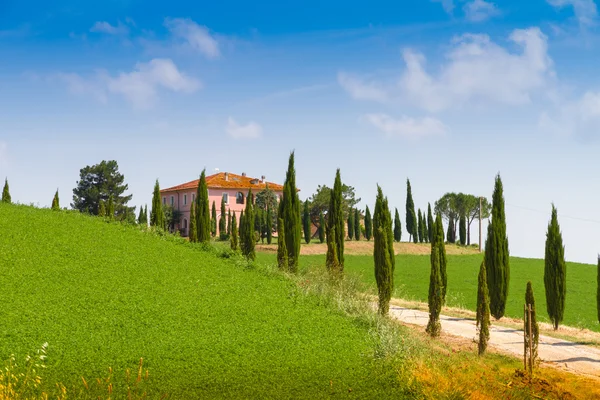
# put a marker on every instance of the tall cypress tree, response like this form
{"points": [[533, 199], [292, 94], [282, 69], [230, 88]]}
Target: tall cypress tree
{"points": [[356, 224], [202, 210], [321, 227], [282, 253], [437, 241], [335, 228], [213, 220], [110, 209], [56, 202], [450, 233], [242, 231], [555, 272], [223, 220], [306, 222], [350, 224], [368, 224], [420, 226], [146, 214], [157, 217], [6, 192], [483, 310], [102, 209], [141, 216], [425, 228], [289, 211], [496, 254], [233, 236], [430, 225], [411, 217], [228, 222], [462, 230], [269, 224], [535, 329], [248, 238], [397, 227], [383, 251], [435, 298], [193, 233]]}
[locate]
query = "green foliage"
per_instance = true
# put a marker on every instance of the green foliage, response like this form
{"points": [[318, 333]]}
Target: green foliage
{"points": [[102, 209], [306, 222], [483, 310], [146, 215], [369, 224], [335, 227], [140, 219], [6, 192], [157, 217], [451, 234], [555, 272], [350, 224], [397, 227], [203, 225], [535, 329], [453, 205], [247, 237], [193, 229], [289, 211], [356, 224], [213, 220], [228, 222], [233, 237], [420, 229], [282, 253], [223, 220], [321, 228], [411, 217], [321, 200], [269, 222], [438, 242], [383, 252], [496, 254], [110, 209], [97, 183], [462, 230], [266, 200], [56, 202], [435, 298], [430, 226]]}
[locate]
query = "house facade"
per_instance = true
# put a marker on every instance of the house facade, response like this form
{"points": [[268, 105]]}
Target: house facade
{"points": [[233, 188]]}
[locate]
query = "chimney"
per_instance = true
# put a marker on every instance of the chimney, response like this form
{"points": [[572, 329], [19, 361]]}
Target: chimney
{"points": [[262, 179], [243, 174], [226, 176]]}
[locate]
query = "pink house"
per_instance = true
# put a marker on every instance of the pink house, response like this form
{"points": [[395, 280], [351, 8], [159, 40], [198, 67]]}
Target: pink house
{"points": [[233, 188]]}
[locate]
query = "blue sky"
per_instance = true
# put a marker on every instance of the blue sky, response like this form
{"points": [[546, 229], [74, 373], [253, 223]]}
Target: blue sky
{"points": [[446, 93]]}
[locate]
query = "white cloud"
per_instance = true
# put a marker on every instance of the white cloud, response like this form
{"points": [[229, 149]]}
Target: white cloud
{"points": [[105, 27], [480, 11], [480, 70], [195, 36], [579, 117], [447, 4], [585, 10], [251, 130], [361, 90], [407, 127], [81, 86]]}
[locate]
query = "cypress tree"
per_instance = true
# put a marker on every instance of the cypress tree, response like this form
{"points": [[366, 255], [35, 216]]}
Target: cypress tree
{"points": [[535, 329], [146, 215], [483, 310], [56, 202], [141, 216], [282, 253], [242, 231], [321, 227], [202, 210], [425, 228], [335, 228], [430, 225], [555, 272], [397, 227], [233, 236], [356, 224], [258, 222], [110, 209], [228, 222], [411, 217], [6, 192], [213, 220], [462, 230], [269, 224], [193, 234], [223, 220], [350, 224], [435, 298], [101, 209], [306, 223], [157, 216], [248, 237], [496, 254], [383, 251], [368, 224], [438, 242], [450, 233], [420, 226], [289, 211]]}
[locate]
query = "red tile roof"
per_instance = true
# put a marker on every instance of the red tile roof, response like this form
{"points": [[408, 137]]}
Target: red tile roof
{"points": [[233, 182]]}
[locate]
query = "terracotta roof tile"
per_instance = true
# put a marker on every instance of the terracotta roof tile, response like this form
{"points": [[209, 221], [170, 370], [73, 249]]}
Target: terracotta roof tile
{"points": [[233, 182]]}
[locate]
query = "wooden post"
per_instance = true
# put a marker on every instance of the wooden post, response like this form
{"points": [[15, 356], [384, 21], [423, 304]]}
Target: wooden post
{"points": [[530, 340], [525, 337]]}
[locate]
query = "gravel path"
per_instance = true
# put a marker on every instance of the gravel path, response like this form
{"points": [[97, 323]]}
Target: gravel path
{"points": [[567, 355]]}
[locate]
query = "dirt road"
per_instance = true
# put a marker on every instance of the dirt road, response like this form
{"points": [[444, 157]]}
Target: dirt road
{"points": [[566, 355]]}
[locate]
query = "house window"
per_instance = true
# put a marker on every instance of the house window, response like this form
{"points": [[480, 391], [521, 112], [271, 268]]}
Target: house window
{"points": [[172, 201], [185, 199], [164, 200], [226, 198], [239, 198], [185, 224]]}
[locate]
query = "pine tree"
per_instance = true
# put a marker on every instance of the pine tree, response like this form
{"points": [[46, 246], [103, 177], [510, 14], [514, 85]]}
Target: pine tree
{"points": [[101, 209], [483, 310], [110, 209], [356, 224], [383, 252], [233, 236], [157, 217], [6, 192], [462, 230], [289, 211], [213, 220], [223, 220], [435, 298], [420, 226], [496, 254], [282, 253], [430, 225], [193, 233], [269, 224], [368, 224], [411, 217], [202, 210], [555, 272], [350, 224], [397, 227], [335, 228], [535, 329], [321, 227], [248, 238], [438, 242], [306, 222], [56, 202]]}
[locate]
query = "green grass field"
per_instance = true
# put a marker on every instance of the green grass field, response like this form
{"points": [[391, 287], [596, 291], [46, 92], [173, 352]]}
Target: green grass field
{"points": [[103, 295], [412, 280]]}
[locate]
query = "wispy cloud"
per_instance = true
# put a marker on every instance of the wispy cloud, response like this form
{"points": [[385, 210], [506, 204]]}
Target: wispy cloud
{"points": [[407, 127], [105, 27], [448, 5], [480, 10], [360, 89], [251, 130], [196, 37], [579, 117], [585, 11]]}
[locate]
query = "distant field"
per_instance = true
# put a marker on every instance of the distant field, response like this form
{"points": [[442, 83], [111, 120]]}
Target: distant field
{"points": [[412, 283]]}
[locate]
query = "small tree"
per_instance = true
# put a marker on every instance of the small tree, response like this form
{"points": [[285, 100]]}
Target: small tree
{"points": [[555, 272], [248, 237], [6, 192], [269, 224], [368, 224], [289, 211], [102, 209], [335, 228], [213, 220], [233, 237], [282, 253], [56, 202], [356, 224], [306, 222], [146, 214], [397, 227], [193, 233], [411, 217], [157, 216], [430, 225], [420, 226], [111, 208], [450, 233], [202, 210], [535, 329], [462, 230], [228, 222], [383, 251], [483, 310], [321, 227], [223, 220], [435, 299], [350, 222]]}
